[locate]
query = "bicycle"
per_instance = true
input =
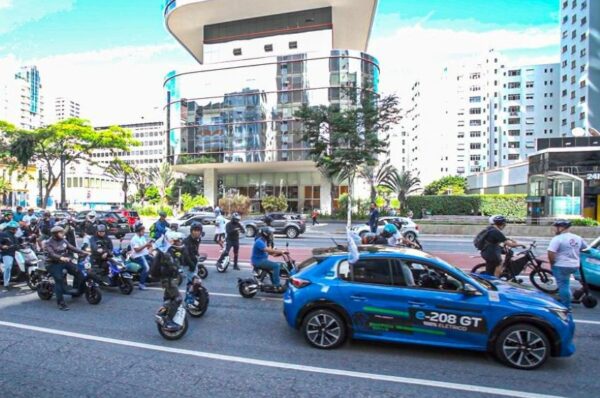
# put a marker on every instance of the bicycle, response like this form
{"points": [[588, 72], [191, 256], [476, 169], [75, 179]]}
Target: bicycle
{"points": [[541, 278]]}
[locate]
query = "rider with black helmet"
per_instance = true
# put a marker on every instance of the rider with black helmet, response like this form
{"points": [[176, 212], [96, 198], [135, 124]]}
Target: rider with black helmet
{"points": [[233, 230], [8, 246], [102, 249], [46, 225], [191, 247], [57, 252], [261, 252], [492, 251]]}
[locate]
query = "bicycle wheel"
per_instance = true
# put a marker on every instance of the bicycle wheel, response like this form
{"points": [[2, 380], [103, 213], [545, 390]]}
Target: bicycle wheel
{"points": [[478, 269], [543, 280]]}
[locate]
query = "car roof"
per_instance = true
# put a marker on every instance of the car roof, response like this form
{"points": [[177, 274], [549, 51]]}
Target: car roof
{"points": [[374, 250]]}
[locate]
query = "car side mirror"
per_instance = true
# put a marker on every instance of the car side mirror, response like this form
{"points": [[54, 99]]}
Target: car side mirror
{"points": [[470, 290]]}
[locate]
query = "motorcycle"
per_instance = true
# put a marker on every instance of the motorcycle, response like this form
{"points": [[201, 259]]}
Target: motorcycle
{"points": [[91, 289], [117, 275], [261, 279], [27, 261], [180, 319]]}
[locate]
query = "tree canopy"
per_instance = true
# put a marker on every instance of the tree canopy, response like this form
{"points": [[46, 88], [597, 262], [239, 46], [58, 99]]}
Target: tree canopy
{"points": [[449, 185]]}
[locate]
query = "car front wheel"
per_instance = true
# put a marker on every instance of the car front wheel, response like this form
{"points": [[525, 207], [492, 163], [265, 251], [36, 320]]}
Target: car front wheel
{"points": [[250, 232], [324, 329], [291, 233], [522, 346], [411, 236]]}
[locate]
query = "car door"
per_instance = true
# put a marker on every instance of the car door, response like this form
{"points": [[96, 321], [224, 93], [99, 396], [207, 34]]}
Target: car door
{"points": [[367, 290], [278, 222], [446, 314]]}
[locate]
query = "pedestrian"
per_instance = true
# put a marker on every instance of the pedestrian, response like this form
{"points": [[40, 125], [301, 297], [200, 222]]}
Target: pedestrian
{"points": [[46, 225], [410, 214], [373, 217], [563, 254], [18, 216], [233, 229], [314, 216], [27, 217], [220, 222]]}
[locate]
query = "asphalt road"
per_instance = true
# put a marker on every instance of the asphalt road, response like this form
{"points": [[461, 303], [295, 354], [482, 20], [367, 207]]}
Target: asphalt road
{"points": [[244, 348]]}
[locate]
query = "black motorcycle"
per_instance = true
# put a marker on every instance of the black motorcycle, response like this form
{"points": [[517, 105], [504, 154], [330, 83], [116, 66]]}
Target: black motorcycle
{"points": [[90, 287], [261, 279]]}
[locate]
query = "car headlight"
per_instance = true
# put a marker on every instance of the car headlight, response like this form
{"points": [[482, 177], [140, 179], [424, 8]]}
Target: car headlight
{"points": [[561, 313]]}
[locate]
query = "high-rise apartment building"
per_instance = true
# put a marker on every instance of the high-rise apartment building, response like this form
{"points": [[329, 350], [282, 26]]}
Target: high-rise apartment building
{"points": [[580, 66], [65, 108], [232, 120], [21, 100]]}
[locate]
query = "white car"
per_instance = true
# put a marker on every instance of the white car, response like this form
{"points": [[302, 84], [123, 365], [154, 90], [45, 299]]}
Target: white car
{"points": [[409, 229], [207, 221]]}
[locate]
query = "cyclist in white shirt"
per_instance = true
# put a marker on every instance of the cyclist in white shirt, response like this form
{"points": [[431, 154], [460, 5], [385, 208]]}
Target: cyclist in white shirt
{"points": [[563, 253], [140, 253]]}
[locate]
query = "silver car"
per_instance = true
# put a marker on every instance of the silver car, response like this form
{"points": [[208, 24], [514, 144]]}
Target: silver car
{"points": [[409, 229]]}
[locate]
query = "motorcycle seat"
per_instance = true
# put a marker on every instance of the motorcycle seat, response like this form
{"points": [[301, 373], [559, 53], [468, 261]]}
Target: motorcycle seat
{"points": [[202, 257]]}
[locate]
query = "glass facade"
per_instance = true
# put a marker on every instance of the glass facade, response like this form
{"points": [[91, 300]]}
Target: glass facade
{"points": [[243, 112]]}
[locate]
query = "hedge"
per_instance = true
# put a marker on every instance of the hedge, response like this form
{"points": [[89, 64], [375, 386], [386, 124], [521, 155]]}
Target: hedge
{"points": [[513, 205]]}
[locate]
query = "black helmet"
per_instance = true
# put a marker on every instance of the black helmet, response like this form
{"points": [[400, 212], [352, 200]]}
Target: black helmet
{"points": [[174, 227], [562, 223], [196, 227], [139, 227], [266, 232], [236, 216], [162, 214], [498, 220], [101, 228]]}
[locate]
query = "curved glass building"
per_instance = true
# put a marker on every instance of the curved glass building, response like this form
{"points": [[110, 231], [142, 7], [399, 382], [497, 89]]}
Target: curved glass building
{"points": [[232, 119]]}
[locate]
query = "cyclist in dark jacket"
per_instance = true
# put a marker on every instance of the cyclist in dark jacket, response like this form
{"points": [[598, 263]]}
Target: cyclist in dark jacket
{"points": [[233, 229], [492, 251]]}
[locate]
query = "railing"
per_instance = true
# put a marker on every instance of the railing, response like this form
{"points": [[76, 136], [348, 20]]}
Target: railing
{"points": [[241, 156]]}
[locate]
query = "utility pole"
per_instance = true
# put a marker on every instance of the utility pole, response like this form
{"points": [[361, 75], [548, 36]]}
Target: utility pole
{"points": [[63, 191], [40, 188]]}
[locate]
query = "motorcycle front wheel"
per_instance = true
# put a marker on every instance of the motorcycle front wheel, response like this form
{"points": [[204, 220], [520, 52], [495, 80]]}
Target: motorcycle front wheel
{"points": [[45, 291], [126, 286], [248, 289], [202, 272], [32, 282], [199, 309], [93, 295], [167, 335]]}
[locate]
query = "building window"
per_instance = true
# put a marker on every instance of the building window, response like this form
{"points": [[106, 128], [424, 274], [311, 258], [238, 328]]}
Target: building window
{"points": [[475, 158], [514, 121], [473, 76], [513, 156], [574, 18], [514, 145], [474, 99], [517, 84], [573, 49], [528, 96], [237, 52], [583, 52], [565, 19], [515, 72], [582, 116], [293, 45], [475, 111], [475, 122], [582, 99], [573, 34], [514, 133], [583, 20], [583, 36], [514, 97], [475, 145], [573, 64], [564, 49], [268, 48], [582, 84], [474, 134]]}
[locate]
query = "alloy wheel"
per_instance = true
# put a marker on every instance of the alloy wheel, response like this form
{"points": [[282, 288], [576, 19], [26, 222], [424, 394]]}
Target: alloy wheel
{"points": [[524, 348], [323, 330]]}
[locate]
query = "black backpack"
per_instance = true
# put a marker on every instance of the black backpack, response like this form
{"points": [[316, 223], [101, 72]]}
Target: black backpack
{"points": [[480, 242]]}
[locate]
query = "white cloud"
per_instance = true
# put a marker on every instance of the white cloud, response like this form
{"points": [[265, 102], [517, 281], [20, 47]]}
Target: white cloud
{"points": [[417, 51], [15, 14]]}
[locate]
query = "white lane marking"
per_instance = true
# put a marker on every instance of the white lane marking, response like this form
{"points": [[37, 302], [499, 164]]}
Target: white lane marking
{"points": [[223, 294], [285, 365], [587, 322]]}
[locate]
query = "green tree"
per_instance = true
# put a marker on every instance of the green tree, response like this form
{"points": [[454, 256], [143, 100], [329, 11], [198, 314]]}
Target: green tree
{"points": [[190, 184], [73, 140], [152, 194], [163, 177], [237, 203], [4, 186], [274, 203], [120, 170], [404, 184], [380, 174], [344, 138], [449, 185], [188, 201], [142, 182]]}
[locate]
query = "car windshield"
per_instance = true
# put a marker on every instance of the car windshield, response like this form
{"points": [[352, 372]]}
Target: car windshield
{"points": [[596, 243], [482, 281]]}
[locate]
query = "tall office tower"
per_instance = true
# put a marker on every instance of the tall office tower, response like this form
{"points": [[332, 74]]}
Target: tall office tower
{"points": [[65, 108], [21, 100], [580, 67], [232, 120]]}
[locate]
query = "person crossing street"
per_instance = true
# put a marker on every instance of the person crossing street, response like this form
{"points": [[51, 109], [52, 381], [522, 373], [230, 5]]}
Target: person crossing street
{"points": [[233, 229]]}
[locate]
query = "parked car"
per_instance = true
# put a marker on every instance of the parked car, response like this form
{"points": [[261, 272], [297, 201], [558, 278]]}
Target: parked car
{"points": [[590, 262], [407, 227], [132, 217], [407, 296], [291, 225], [117, 225], [207, 220]]}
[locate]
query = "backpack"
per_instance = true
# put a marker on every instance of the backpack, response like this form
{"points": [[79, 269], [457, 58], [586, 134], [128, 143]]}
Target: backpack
{"points": [[480, 241]]}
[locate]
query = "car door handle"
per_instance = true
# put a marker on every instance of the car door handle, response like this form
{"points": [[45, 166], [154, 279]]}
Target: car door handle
{"points": [[358, 298], [416, 303]]}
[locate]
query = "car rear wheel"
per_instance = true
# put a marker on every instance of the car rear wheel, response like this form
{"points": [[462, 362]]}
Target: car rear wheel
{"points": [[411, 236], [250, 231], [324, 329], [291, 232], [522, 346]]}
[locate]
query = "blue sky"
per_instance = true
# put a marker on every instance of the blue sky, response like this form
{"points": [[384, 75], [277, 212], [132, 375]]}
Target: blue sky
{"points": [[125, 41]]}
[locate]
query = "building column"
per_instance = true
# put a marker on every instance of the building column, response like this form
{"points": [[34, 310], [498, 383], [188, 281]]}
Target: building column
{"points": [[210, 186], [325, 196]]}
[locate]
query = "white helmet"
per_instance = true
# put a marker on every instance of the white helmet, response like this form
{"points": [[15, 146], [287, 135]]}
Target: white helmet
{"points": [[173, 236], [91, 214]]}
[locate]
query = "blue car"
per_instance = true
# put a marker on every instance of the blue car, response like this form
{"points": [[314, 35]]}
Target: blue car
{"points": [[590, 262], [408, 296]]}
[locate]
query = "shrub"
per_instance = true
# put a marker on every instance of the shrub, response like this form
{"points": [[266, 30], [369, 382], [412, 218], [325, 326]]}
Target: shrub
{"points": [[238, 203], [188, 201], [153, 210], [274, 203], [512, 206], [584, 222]]}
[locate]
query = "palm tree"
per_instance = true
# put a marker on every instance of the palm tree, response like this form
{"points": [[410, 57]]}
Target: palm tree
{"points": [[404, 184], [141, 180], [120, 170], [163, 177], [381, 174]]}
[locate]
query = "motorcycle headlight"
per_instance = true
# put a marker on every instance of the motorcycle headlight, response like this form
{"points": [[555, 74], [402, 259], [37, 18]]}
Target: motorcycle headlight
{"points": [[561, 313]]}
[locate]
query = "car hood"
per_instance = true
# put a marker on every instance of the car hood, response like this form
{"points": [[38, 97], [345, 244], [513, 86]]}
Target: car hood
{"points": [[524, 295]]}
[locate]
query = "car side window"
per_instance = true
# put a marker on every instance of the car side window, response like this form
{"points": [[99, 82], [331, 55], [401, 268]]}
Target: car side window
{"points": [[381, 222], [374, 271], [428, 276]]}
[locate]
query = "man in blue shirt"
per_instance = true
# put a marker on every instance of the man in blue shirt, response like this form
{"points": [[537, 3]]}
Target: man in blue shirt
{"points": [[260, 256], [159, 228], [18, 216], [373, 218]]}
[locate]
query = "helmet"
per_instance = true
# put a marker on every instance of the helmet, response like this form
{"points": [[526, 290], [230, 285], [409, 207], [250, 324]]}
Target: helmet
{"points": [[174, 236], [174, 227], [236, 216], [389, 230], [139, 227], [196, 227], [33, 220], [101, 228], [56, 230], [162, 214], [368, 238], [12, 225], [91, 214], [562, 223], [497, 220], [47, 213], [265, 232]]}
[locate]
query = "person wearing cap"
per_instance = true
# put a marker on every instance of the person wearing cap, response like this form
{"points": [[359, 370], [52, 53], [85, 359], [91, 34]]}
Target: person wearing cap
{"points": [[58, 252], [233, 229], [18, 215], [563, 254], [159, 228], [102, 249], [8, 246], [140, 253]]}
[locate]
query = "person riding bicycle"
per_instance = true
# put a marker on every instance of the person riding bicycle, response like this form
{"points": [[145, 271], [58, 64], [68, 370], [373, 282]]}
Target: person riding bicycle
{"points": [[191, 247], [102, 249], [395, 238], [57, 254], [492, 251], [8, 247], [260, 256], [140, 253], [169, 263], [233, 229]]}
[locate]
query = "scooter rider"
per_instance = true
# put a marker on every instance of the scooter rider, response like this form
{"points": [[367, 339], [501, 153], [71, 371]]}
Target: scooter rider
{"points": [[373, 239], [57, 251], [169, 269], [140, 253], [191, 246], [102, 249], [46, 225], [492, 252], [90, 225], [8, 247], [233, 229], [260, 256]]}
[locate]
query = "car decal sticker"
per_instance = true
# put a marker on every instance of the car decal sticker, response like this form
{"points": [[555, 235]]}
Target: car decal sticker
{"points": [[448, 321], [377, 310], [386, 323]]}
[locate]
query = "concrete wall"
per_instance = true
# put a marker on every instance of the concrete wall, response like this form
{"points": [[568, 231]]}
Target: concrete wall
{"points": [[511, 230]]}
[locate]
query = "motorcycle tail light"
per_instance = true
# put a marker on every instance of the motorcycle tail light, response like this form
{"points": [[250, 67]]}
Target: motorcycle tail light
{"points": [[299, 283], [417, 227]]}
